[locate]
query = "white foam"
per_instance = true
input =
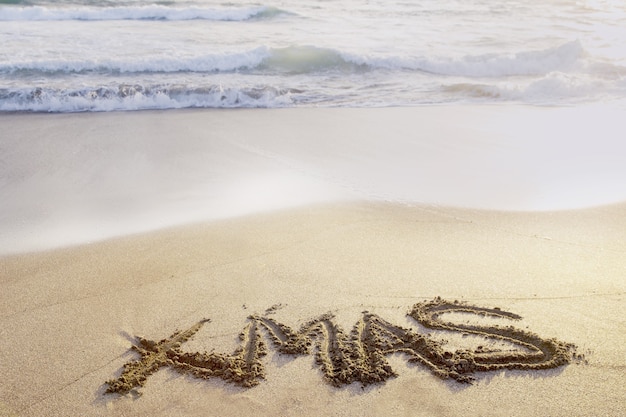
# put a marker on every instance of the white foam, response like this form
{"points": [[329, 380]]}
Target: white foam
{"points": [[165, 64], [151, 12], [311, 59], [407, 53], [539, 62], [553, 88], [129, 98], [564, 74]]}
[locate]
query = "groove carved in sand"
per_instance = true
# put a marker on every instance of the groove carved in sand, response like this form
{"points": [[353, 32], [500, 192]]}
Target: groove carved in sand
{"points": [[359, 356]]}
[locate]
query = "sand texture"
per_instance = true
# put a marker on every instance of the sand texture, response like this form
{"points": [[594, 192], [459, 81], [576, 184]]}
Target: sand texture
{"points": [[310, 262], [325, 310], [345, 360]]}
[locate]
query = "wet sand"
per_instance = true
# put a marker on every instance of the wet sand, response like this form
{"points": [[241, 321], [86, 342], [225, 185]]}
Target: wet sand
{"points": [[256, 315], [67, 179]]}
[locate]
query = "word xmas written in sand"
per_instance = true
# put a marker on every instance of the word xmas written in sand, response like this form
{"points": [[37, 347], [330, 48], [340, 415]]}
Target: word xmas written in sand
{"points": [[357, 357]]}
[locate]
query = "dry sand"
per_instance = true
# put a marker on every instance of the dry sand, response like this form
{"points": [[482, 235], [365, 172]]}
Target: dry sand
{"points": [[69, 317]]}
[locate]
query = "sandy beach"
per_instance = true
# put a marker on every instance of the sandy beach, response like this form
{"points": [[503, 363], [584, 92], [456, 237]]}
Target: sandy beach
{"points": [[69, 317], [105, 248]]}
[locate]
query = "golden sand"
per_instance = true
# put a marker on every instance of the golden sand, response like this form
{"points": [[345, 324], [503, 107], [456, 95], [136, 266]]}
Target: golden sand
{"points": [[343, 359], [70, 316], [282, 208]]}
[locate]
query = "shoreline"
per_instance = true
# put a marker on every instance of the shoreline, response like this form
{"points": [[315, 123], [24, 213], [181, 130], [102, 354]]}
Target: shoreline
{"points": [[454, 212], [72, 178]]}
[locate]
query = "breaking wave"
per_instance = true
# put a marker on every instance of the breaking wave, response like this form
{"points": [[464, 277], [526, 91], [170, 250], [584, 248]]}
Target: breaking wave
{"points": [[562, 57], [217, 62], [311, 59], [152, 12], [305, 75], [139, 97]]}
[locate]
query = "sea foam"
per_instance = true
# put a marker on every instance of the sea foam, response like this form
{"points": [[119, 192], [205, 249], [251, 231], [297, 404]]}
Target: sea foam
{"points": [[152, 12], [81, 55], [311, 59], [265, 76], [543, 61], [142, 97], [211, 62]]}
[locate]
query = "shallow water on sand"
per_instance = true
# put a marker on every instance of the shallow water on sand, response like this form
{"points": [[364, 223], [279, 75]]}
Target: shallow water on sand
{"points": [[71, 178]]}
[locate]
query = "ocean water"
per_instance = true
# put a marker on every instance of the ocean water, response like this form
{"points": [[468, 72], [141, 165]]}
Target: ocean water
{"points": [[87, 55], [70, 179]]}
